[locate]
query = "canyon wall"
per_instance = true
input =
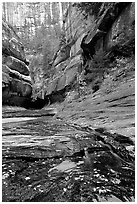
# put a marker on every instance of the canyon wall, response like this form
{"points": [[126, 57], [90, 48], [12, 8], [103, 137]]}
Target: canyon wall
{"points": [[16, 80], [112, 30]]}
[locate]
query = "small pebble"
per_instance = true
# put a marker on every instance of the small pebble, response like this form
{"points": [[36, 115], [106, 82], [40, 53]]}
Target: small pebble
{"points": [[27, 178]]}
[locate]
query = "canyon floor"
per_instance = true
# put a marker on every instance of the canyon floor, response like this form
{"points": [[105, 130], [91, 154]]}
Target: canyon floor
{"points": [[80, 150]]}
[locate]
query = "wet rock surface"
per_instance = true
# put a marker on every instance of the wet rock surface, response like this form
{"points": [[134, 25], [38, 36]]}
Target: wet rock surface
{"points": [[48, 159]]}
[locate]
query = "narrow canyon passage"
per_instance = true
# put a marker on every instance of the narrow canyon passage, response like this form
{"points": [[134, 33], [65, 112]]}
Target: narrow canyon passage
{"points": [[68, 102]]}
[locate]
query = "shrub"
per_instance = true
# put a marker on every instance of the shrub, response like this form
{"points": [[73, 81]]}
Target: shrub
{"points": [[91, 8]]}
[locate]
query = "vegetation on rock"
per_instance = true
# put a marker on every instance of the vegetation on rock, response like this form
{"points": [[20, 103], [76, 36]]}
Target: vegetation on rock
{"points": [[82, 71], [89, 8]]}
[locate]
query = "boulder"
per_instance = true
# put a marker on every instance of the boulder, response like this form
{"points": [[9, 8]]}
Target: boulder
{"points": [[15, 74], [14, 83], [17, 65]]}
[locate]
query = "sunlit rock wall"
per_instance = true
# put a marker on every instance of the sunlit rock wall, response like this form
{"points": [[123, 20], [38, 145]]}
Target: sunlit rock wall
{"points": [[111, 29]]}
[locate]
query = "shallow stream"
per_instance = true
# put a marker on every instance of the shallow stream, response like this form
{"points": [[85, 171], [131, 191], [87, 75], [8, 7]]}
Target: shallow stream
{"points": [[48, 160]]}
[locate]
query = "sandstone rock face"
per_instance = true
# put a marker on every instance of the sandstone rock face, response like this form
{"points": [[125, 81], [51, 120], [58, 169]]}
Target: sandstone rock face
{"points": [[15, 74], [76, 25], [11, 44], [17, 65], [122, 31], [52, 86], [110, 30], [65, 78], [109, 26], [63, 54], [16, 82], [61, 82]]}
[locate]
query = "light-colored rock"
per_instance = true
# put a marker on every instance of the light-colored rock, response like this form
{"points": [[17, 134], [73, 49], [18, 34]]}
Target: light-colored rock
{"points": [[91, 32], [61, 67], [15, 74], [15, 64], [52, 86], [77, 25], [66, 77], [63, 54], [61, 82], [71, 76], [11, 43], [75, 62]]}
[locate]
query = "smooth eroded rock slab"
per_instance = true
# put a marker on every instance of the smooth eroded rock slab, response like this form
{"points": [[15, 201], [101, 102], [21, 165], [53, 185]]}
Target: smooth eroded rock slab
{"points": [[18, 65]]}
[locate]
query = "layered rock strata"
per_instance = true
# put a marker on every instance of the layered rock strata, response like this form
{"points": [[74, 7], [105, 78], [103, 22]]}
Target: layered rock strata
{"points": [[111, 30], [16, 82]]}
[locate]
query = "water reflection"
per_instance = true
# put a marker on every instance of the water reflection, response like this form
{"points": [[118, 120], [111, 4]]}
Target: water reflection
{"points": [[17, 119]]}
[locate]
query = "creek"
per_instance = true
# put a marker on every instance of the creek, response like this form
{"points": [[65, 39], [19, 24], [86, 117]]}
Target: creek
{"points": [[44, 159]]}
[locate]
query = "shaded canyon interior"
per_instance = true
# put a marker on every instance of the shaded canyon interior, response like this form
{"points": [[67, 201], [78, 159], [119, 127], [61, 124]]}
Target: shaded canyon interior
{"points": [[69, 115]]}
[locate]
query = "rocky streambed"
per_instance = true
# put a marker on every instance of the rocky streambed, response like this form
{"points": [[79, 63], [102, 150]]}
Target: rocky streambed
{"points": [[48, 159]]}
